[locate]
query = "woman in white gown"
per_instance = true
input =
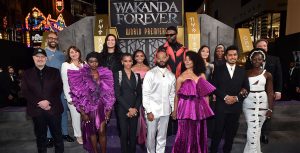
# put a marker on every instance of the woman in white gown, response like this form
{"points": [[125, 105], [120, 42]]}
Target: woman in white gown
{"points": [[258, 105]]}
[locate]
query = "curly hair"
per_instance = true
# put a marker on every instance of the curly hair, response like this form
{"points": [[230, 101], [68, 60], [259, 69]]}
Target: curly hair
{"points": [[92, 55], [198, 62]]}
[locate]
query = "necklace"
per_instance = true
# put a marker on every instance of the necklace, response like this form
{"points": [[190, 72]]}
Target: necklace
{"points": [[128, 73], [76, 63], [139, 65], [163, 73]]}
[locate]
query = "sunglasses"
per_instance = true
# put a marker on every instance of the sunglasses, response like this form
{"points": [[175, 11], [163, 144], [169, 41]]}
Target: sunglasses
{"points": [[170, 35]]}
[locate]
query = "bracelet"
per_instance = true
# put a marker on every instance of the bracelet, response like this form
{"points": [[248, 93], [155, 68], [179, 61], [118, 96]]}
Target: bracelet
{"points": [[270, 110]]}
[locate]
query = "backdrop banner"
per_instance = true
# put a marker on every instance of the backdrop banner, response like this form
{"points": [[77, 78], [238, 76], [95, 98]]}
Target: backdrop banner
{"points": [[145, 18]]}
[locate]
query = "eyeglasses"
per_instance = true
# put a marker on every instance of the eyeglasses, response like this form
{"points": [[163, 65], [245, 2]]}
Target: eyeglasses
{"points": [[52, 38], [170, 35]]}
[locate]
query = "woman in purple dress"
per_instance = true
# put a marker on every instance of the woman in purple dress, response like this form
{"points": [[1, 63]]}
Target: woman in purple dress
{"points": [[191, 106], [92, 92]]}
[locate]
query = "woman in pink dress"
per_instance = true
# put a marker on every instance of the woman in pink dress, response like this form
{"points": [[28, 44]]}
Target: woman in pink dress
{"points": [[191, 106], [141, 66]]}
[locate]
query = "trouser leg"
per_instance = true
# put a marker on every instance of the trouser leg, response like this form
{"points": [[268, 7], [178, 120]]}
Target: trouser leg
{"points": [[40, 131], [162, 127], [54, 123]]}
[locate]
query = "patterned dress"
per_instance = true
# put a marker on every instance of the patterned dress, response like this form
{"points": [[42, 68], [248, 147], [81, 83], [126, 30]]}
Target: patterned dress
{"points": [[255, 108]]}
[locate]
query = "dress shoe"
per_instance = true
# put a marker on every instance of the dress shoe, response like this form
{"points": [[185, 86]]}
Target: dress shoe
{"points": [[79, 140], [49, 142], [264, 139], [68, 138]]}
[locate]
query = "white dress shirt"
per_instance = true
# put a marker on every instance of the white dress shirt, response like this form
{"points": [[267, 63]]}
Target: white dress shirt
{"points": [[291, 71], [159, 91], [11, 77], [230, 69]]}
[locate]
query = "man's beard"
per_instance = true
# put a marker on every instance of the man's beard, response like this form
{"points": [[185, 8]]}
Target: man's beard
{"points": [[232, 61], [52, 45], [172, 40], [161, 66]]}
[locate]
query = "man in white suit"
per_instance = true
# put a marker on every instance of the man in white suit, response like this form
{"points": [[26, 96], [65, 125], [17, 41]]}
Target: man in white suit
{"points": [[158, 101]]}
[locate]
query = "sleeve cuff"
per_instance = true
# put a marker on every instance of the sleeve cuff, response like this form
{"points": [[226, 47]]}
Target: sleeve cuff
{"points": [[225, 97]]}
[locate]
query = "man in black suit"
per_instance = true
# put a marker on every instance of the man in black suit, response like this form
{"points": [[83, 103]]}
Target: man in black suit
{"points": [[293, 82], [14, 87], [298, 85], [42, 87], [272, 65], [4, 88], [232, 86]]}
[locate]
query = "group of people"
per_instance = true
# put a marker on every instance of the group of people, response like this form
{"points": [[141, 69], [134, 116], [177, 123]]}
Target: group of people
{"points": [[10, 81], [206, 99]]}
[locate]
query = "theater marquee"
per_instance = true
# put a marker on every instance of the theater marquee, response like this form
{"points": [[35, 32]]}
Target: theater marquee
{"points": [[144, 18]]}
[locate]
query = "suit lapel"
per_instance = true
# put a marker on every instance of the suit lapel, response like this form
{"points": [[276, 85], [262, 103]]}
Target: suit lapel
{"points": [[226, 71], [267, 62], [129, 81], [235, 72]]}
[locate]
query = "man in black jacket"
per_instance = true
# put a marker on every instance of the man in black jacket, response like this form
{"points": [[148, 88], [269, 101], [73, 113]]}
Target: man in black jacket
{"points": [[232, 86], [42, 87], [293, 82], [4, 88], [14, 87]]}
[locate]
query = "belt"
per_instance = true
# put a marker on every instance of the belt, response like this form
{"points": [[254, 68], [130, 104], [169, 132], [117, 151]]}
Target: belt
{"points": [[257, 91]]}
